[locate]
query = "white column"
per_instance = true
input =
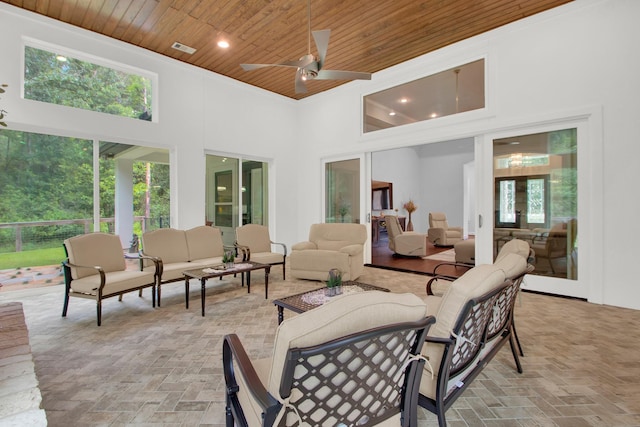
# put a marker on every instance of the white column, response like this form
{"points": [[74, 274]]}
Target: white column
{"points": [[124, 201]]}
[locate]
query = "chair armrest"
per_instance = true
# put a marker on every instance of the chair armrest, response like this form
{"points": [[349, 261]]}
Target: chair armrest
{"points": [[452, 264], [233, 351], [351, 249], [456, 229], [284, 247], [436, 235], [156, 260], [304, 245], [69, 265]]}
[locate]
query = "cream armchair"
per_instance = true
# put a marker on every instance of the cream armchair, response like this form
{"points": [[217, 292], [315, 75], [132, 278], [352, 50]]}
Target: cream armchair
{"points": [[330, 246], [440, 234], [407, 243]]}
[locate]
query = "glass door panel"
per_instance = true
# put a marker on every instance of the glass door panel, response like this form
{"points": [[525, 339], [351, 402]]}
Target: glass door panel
{"points": [[342, 191], [254, 192], [221, 195], [536, 198]]}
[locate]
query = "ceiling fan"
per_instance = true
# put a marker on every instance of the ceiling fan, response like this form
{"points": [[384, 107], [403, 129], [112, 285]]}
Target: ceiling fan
{"points": [[309, 67]]}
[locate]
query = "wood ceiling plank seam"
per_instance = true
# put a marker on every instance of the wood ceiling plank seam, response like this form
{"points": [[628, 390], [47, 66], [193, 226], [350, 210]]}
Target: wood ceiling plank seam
{"points": [[90, 14], [79, 11], [66, 11], [128, 18], [153, 15], [204, 8], [116, 16], [138, 21], [30, 4], [42, 7], [170, 21], [104, 15]]}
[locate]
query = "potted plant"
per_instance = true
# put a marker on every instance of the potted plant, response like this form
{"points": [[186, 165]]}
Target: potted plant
{"points": [[228, 259], [334, 283]]}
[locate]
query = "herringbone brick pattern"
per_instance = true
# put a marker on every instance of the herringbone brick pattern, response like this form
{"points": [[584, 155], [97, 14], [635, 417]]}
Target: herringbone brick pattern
{"points": [[162, 366]]}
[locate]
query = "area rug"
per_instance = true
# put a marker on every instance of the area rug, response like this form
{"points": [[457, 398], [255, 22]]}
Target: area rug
{"points": [[447, 256]]}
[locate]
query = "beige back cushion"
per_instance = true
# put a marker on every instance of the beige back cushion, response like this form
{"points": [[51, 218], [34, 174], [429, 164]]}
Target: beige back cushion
{"points": [[474, 283], [255, 236], [514, 246], [339, 317], [336, 236], [95, 249], [393, 226], [204, 242], [167, 243], [512, 264], [438, 220]]}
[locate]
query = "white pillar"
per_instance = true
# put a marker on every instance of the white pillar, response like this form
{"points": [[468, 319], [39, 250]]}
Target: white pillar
{"points": [[124, 201]]}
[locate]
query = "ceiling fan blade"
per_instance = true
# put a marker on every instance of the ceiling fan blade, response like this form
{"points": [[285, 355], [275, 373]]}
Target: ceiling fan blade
{"points": [[301, 87], [305, 61], [342, 75], [321, 38]]}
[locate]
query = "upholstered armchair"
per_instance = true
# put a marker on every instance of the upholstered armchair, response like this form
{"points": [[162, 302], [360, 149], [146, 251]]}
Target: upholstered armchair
{"points": [[335, 245], [440, 234], [552, 246], [352, 361], [95, 268], [256, 244], [408, 243]]}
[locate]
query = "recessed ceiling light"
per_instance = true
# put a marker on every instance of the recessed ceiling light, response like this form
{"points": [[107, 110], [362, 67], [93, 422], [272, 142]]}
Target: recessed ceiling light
{"points": [[392, 113], [404, 100], [223, 44], [434, 115]]}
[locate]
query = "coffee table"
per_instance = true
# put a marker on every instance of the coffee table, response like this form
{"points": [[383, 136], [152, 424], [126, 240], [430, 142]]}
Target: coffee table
{"points": [[305, 301], [205, 273]]}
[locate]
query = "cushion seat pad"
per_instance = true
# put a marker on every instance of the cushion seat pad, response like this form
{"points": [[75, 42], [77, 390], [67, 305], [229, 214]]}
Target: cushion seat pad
{"points": [[116, 281]]}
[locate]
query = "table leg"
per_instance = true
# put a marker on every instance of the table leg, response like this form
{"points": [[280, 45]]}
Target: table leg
{"points": [[266, 282], [249, 281], [202, 292], [186, 292], [280, 314]]}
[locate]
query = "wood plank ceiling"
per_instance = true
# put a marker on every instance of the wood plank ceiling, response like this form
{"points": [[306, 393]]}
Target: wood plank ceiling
{"points": [[366, 35]]}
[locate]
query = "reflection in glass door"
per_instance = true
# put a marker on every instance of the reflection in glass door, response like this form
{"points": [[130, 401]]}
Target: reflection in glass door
{"points": [[342, 191], [536, 198]]}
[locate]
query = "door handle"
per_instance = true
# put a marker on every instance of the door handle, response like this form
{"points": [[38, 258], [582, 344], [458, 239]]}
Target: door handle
{"points": [[480, 221]]}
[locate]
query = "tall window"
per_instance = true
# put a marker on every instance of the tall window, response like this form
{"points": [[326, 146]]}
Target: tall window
{"points": [[507, 201], [60, 79]]}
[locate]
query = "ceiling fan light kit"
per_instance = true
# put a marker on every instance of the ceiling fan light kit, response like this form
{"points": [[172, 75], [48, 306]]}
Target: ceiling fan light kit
{"points": [[309, 67]]}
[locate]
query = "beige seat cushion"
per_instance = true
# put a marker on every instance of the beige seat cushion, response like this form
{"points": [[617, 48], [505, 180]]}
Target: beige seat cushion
{"points": [[115, 281]]}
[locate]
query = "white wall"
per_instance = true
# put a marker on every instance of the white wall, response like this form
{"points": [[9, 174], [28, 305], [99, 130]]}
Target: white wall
{"points": [[578, 57]]}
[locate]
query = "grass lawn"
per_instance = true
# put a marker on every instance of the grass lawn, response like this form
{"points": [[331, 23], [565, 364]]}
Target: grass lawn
{"points": [[51, 256]]}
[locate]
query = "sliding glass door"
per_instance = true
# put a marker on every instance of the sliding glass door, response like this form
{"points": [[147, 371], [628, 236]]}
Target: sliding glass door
{"points": [[236, 194], [536, 199]]}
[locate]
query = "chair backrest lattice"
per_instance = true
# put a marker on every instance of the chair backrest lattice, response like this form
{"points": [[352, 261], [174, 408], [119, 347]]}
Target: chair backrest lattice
{"points": [[470, 333], [357, 380]]}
